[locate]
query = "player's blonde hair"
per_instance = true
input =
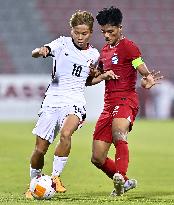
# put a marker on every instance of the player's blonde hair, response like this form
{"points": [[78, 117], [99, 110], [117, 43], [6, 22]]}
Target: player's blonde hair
{"points": [[80, 18]]}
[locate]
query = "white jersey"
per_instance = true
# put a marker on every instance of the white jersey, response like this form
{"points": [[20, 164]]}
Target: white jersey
{"points": [[70, 71]]}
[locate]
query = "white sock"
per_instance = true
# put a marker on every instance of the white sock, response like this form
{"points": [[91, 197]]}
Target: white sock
{"points": [[58, 165], [34, 172]]}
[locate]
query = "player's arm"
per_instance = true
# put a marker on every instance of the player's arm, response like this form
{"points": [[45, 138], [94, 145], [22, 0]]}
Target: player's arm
{"points": [[149, 79], [108, 75], [41, 52]]}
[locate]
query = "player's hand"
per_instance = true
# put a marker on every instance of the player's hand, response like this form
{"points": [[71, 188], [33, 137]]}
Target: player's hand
{"points": [[151, 80], [94, 72], [110, 75], [43, 51]]}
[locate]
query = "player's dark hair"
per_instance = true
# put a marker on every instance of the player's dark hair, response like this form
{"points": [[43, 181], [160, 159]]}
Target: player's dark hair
{"points": [[112, 16]]}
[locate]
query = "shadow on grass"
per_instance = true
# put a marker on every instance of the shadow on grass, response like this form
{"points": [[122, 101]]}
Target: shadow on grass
{"points": [[97, 198], [152, 197]]}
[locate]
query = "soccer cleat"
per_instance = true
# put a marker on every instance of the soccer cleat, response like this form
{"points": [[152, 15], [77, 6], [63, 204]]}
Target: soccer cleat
{"points": [[58, 185], [130, 184], [118, 185], [113, 193], [28, 194]]}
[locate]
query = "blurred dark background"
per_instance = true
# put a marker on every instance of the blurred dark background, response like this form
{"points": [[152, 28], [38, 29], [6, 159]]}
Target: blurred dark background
{"points": [[26, 25]]}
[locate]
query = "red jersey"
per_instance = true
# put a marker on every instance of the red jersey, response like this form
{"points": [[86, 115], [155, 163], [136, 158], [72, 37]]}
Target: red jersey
{"points": [[121, 100], [119, 59]]}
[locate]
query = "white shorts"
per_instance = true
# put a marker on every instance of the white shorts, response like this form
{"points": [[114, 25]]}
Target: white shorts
{"points": [[51, 120]]}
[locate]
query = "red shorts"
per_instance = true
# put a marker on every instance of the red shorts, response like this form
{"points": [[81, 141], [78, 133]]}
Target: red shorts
{"points": [[103, 128]]}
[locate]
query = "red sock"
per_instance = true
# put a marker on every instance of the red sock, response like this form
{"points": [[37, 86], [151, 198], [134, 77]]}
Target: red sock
{"points": [[122, 157], [108, 167]]}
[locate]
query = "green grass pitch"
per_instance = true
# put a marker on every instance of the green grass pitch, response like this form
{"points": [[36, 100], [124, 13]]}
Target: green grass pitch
{"points": [[151, 145]]}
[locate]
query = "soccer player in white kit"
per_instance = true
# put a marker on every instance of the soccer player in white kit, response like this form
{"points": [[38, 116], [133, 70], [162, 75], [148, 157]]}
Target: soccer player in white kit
{"points": [[63, 109]]}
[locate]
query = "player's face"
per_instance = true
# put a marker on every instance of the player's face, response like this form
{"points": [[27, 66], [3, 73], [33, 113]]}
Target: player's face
{"points": [[112, 34], [81, 35]]}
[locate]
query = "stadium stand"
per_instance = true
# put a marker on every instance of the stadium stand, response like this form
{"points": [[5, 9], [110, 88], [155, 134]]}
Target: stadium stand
{"points": [[6, 65], [22, 32], [29, 24], [149, 23], [26, 25]]}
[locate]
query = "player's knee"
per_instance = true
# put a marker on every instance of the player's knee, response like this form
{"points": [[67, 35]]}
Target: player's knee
{"points": [[65, 134], [119, 135], [40, 150], [65, 138], [97, 161]]}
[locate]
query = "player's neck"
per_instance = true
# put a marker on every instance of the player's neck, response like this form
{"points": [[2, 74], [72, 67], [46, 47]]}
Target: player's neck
{"points": [[79, 48], [118, 41]]}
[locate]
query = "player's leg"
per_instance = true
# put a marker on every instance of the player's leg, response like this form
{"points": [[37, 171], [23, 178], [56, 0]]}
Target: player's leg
{"points": [[63, 148], [45, 133], [122, 122], [70, 124], [120, 128], [99, 157], [37, 158], [102, 140]]}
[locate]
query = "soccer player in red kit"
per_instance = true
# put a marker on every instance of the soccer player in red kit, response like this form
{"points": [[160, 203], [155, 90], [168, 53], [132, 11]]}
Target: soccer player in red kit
{"points": [[122, 57]]}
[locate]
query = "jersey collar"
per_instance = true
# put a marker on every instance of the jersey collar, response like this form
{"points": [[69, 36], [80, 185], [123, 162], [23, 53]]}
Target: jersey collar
{"points": [[78, 46], [117, 43]]}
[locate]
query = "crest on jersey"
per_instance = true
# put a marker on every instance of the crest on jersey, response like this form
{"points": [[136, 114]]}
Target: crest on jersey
{"points": [[89, 62], [115, 59]]}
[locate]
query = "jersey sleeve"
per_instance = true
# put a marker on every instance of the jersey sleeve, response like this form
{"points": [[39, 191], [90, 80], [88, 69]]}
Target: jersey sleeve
{"points": [[55, 46], [100, 63], [96, 56], [134, 54]]}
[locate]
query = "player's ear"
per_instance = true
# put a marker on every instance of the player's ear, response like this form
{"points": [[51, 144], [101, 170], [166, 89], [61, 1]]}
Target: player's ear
{"points": [[71, 31], [120, 28]]}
